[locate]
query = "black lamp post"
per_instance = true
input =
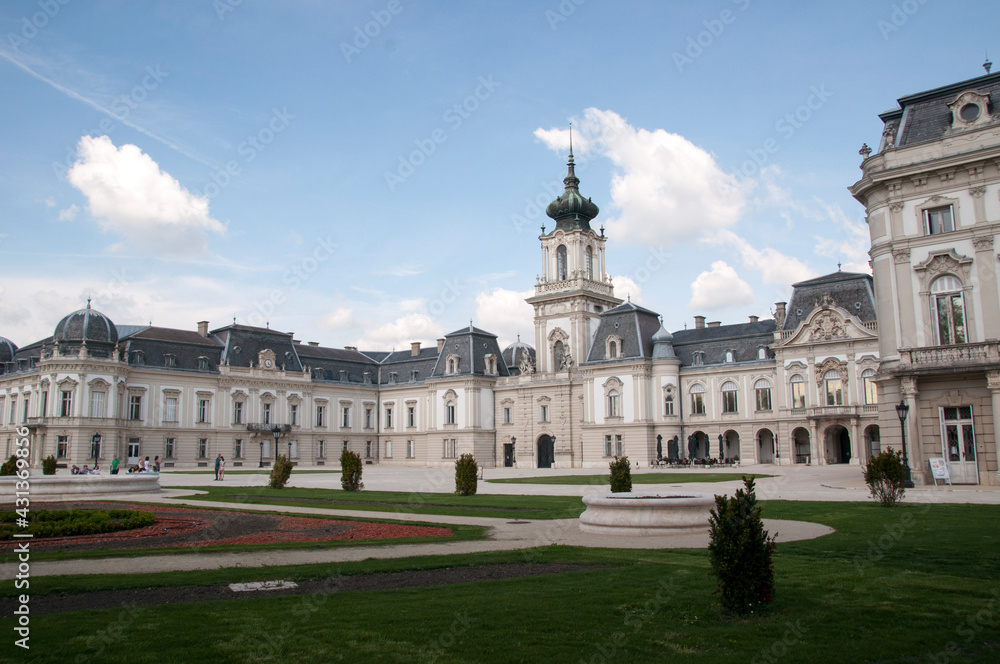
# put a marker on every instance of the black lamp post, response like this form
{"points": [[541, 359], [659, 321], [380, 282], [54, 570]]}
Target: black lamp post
{"points": [[276, 432], [902, 409], [95, 445], [513, 450], [260, 464]]}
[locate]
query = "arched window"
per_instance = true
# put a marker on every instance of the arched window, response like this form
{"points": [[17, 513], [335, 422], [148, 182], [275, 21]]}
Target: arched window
{"points": [[697, 399], [614, 404], [668, 406], [612, 350], [946, 293], [761, 353], [834, 388], [588, 263], [562, 271], [762, 394], [798, 391], [730, 356], [729, 401], [558, 350], [868, 381], [449, 412]]}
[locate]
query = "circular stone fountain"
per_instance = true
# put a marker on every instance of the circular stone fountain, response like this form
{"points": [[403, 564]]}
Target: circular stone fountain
{"points": [[50, 488], [646, 514]]}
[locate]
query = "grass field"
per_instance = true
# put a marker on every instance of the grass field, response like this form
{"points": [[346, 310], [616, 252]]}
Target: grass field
{"points": [[918, 583], [641, 478], [484, 505]]}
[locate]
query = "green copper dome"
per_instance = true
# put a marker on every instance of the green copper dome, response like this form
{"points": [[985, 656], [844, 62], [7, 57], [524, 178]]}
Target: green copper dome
{"points": [[572, 210]]}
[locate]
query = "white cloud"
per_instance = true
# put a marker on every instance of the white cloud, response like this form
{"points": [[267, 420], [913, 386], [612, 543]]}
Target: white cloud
{"points": [[505, 313], [338, 319], [400, 333], [128, 194], [50, 202], [666, 188], [774, 267], [720, 287], [626, 288], [69, 214], [851, 248]]}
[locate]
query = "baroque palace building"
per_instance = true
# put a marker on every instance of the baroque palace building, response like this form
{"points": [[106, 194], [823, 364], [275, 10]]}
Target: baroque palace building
{"points": [[603, 379]]}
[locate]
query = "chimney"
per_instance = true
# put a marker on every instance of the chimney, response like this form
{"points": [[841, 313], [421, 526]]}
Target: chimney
{"points": [[313, 343], [203, 328], [715, 323], [440, 344], [754, 319], [350, 347], [779, 314], [414, 348], [699, 322]]}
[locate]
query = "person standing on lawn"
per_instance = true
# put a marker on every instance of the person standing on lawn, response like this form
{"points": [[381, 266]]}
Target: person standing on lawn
{"points": [[218, 462], [222, 468]]}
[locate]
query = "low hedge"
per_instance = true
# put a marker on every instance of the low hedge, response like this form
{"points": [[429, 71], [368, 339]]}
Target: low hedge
{"points": [[67, 523]]}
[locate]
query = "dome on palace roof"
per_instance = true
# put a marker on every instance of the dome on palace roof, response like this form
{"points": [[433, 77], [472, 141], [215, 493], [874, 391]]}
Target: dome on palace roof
{"points": [[7, 350], [87, 325]]}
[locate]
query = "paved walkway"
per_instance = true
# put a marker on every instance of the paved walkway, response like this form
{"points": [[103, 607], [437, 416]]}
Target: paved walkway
{"points": [[826, 483]]}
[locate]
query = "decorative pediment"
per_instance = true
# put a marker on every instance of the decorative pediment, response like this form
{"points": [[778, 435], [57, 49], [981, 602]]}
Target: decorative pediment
{"points": [[943, 262], [450, 394], [828, 323], [266, 359], [98, 384], [558, 335], [67, 383], [826, 326], [830, 364], [612, 382], [970, 110]]}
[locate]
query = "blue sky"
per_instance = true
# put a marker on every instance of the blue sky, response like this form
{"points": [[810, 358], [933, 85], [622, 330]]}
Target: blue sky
{"points": [[371, 173]]}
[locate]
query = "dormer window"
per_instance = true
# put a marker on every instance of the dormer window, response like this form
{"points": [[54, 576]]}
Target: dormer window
{"points": [[203, 363], [451, 365], [970, 109], [613, 350], [698, 357], [138, 357], [761, 352], [491, 365], [169, 360], [413, 375], [730, 356], [392, 377]]}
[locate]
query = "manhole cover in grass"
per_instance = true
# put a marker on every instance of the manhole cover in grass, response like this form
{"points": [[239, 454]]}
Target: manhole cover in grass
{"points": [[518, 522]]}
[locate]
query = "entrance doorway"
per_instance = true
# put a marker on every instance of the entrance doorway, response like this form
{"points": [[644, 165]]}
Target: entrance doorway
{"points": [[546, 451], [765, 446], [800, 442], [838, 445], [508, 455], [959, 442], [873, 441], [132, 457]]}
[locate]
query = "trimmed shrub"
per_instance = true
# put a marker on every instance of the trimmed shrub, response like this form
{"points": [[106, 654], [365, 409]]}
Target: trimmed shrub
{"points": [[67, 523], [9, 466], [280, 472], [49, 465], [885, 477], [466, 479], [740, 552], [350, 471], [621, 475]]}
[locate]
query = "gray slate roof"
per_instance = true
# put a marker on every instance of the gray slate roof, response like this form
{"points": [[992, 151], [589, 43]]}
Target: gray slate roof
{"points": [[742, 338], [634, 324], [850, 290], [925, 116]]}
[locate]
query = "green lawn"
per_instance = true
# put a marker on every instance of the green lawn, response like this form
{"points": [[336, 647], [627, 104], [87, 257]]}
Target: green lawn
{"points": [[913, 584], [491, 506], [641, 478]]}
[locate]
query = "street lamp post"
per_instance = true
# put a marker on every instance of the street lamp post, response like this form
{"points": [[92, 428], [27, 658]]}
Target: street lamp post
{"points": [[95, 446], [260, 464], [276, 432], [902, 409]]}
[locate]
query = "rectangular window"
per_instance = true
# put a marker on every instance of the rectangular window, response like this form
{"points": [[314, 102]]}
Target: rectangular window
{"points": [[238, 448], [388, 449], [24, 411], [44, 410], [763, 397], [834, 392], [368, 449], [368, 418], [449, 414], [65, 405], [608, 450], [697, 404], [320, 416], [544, 415], [62, 446], [409, 449], [202, 448], [202, 410], [293, 415], [133, 450], [135, 407], [871, 392], [614, 404], [237, 412], [170, 409], [346, 446], [729, 401], [293, 449], [449, 448], [411, 416], [266, 413], [168, 448], [798, 394], [618, 445], [388, 417], [13, 409], [321, 449], [939, 220], [1, 409], [668, 406], [951, 319], [345, 421], [506, 415]]}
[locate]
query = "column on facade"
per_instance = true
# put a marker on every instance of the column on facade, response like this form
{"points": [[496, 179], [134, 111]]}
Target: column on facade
{"points": [[987, 271], [814, 455], [993, 383], [857, 445], [908, 388]]}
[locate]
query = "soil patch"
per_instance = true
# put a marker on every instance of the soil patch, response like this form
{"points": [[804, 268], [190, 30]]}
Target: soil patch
{"points": [[139, 597]]}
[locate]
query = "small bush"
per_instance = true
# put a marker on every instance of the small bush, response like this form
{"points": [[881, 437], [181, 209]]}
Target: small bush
{"points": [[350, 471], [9, 466], [885, 477], [740, 552], [621, 475], [49, 465], [68, 523], [466, 480], [280, 472]]}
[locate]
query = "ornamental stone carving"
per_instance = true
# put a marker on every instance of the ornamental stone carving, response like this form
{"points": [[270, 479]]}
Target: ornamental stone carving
{"points": [[983, 243], [901, 255], [896, 206], [830, 364], [977, 192], [943, 263], [826, 326]]}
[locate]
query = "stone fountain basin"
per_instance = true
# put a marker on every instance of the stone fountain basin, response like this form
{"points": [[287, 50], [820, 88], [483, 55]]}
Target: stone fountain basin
{"points": [[644, 514]]}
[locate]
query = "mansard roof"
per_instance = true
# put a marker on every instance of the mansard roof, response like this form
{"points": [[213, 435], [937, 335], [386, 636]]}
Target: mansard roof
{"points": [[742, 338], [852, 291], [471, 345], [243, 343], [634, 325]]}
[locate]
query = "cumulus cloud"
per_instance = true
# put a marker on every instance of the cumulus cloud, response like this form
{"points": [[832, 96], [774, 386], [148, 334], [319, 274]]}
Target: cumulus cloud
{"points": [[666, 188], [505, 313], [338, 319], [68, 214], [128, 194], [626, 288], [851, 248], [774, 267], [719, 287], [400, 333]]}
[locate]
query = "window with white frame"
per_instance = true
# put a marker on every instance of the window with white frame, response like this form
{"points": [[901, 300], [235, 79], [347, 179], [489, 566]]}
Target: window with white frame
{"points": [[939, 220], [1, 408], [668, 405], [409, 450], [613, 402], [62, 447], [44, 410], [320, 449], [762, 394], [588, 263], [368, 417], [13, 409], [169, 448], [834, 388], [97, 401], [320, 415], [761, 353], [65, 404], [388, 417], [449, 448], [135, 407], [612, 350], [697, 393], [608, 448], [868, 385], [238, 448], [202, 411], [265, 413], [506, 415], [202, 448], [798, 391], [170, 409], [949, 309], [25, 407], [293, 414], [411, 416], [562, 269], [543, 415], [729, 401], [730, 356], [345, 417], [449, 412], [388, 449], [293, 449], [237, 412]]}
